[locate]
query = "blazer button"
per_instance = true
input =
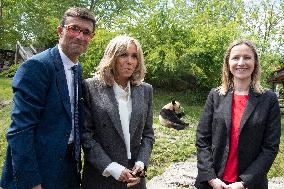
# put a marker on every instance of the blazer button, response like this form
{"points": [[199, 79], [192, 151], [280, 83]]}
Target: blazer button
{"points": [[61, 158], [227, 148]]}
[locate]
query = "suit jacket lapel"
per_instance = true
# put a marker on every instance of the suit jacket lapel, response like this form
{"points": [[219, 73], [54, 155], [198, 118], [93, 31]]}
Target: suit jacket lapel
{"points": [[250, 106], [61, 80], [137, 97], [80, 82], [112, 110], [81, 100]]}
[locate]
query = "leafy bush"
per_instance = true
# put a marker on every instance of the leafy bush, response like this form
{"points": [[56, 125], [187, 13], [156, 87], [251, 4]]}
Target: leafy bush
{"points": [[10, 72], [91, 59]]}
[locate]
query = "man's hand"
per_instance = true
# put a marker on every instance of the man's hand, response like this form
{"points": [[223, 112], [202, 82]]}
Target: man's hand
{"points": [[218, 184], [37, 187]]}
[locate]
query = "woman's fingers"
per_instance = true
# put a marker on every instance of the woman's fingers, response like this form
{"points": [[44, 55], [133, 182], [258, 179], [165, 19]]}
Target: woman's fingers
{"points": [[133, 181], [125, 175]]}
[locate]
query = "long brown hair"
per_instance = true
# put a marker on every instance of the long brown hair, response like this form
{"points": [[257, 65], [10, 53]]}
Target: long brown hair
{"points": [[227, 76]]}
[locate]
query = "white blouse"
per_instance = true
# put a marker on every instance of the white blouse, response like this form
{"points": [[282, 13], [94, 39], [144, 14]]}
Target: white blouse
{"points": [[125, 108]]}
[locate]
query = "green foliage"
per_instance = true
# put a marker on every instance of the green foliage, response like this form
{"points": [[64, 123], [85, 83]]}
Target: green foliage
{"points": [[5, 108], [10, 72], [5, 122], [6, 89], [277, 169], [270, 61], [183, 41], [170, 146], [183, 44], [91, 59], [48, 37]]}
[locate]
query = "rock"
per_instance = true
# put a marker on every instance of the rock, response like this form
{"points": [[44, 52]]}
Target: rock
{"points": [[276, 183], [182, 175], [179, 175], [4, 103]]}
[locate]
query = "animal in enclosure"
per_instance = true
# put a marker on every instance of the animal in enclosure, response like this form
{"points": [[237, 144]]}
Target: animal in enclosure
{"points": [[171, 116]]}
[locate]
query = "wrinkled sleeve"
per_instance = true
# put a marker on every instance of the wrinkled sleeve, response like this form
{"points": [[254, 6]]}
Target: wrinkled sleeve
{"points": [[30, 85], [148, 132], [94, 153], [204, 142]]}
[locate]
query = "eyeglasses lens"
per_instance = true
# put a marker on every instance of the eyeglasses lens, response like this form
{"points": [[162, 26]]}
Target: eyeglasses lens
{"points": [[75, 30]]}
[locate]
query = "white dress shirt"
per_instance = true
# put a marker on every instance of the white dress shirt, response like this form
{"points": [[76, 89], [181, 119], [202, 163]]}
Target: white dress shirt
{"points": [[67, 63]]}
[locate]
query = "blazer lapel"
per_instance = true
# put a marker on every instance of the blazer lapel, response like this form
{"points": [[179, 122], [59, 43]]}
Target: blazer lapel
{"points": [[137, 97], [61, 81], [228, 111], [112, 110], [250, 106]]}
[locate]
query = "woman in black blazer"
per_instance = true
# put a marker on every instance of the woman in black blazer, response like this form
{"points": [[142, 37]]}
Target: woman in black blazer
{"points": [[118, 134], [238, 136]]}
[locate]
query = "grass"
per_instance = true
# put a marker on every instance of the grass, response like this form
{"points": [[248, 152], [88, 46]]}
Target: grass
{"points": [[277, 169], [5, 88], [170, 146], [5, 95]]}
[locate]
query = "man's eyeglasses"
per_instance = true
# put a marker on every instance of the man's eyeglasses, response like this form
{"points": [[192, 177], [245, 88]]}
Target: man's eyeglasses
{"points": [[76, 30]]}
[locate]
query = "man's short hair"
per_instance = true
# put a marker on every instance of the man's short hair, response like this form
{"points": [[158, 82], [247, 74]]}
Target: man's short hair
{"points": [[78, 12]]}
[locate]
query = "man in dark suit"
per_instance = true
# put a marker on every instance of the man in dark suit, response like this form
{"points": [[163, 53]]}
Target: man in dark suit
{"points": [[41, 142]]}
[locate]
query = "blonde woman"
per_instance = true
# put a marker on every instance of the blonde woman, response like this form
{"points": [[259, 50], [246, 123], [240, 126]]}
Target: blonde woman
{"points": [[238, 135], [118, 135]]}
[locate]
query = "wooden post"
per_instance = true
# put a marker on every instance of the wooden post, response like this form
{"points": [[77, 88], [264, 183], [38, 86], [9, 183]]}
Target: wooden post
{"points": [[16, 53]]}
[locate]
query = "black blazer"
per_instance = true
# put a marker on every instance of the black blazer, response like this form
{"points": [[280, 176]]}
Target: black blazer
{"points": [[103, 139], [258, 143]]}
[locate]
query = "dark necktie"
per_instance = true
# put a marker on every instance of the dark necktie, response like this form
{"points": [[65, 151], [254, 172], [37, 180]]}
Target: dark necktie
{"points": [[76, 115]]}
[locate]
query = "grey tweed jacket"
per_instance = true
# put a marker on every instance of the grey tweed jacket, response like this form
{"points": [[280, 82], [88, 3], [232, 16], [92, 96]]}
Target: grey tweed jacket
{"points": [[102, 137]]}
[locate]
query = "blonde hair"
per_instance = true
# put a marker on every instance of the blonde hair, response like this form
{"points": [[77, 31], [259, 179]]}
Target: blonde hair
{"points": [[227, 76], [116, 47]]}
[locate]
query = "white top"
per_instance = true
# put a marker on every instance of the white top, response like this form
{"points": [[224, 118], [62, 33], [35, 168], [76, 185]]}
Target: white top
{"points": [[67, 63], [125, 108], [123, 98]]}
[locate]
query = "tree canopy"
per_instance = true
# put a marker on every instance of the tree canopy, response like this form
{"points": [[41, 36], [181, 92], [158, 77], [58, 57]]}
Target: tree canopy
{"points": [[184, 41]]}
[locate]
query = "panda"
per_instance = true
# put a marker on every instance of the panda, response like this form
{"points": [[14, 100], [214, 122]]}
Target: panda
{"points": [[170, 116]]}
